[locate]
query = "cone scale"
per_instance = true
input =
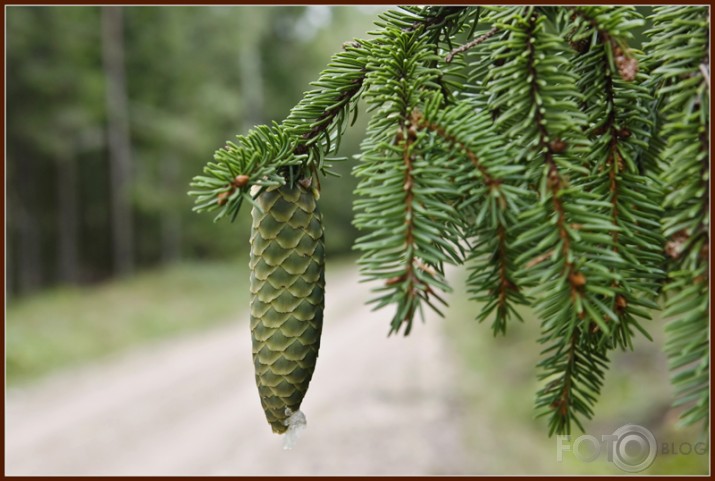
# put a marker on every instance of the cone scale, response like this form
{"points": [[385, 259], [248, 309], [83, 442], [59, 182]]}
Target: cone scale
{"points": [[287, 296]]}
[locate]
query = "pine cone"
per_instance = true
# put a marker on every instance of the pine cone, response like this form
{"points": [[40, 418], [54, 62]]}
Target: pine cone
{"points": [[287, 293]]}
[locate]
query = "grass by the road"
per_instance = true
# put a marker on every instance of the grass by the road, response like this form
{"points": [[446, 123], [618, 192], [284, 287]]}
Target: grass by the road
{"points": [[71, 325], [497, 379]]}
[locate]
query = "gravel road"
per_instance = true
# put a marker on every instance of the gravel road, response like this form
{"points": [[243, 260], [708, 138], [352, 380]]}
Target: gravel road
{"points": [[189, 406]]}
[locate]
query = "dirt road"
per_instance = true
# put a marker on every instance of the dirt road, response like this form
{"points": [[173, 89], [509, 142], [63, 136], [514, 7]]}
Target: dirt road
{"points": [[189, 406]]}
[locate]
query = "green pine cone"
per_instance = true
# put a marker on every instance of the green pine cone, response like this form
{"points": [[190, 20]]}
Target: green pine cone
{"points": [[287, 294]]}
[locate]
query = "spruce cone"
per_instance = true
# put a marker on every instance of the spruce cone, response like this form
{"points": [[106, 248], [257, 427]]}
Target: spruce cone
{"points": [[287, 291]]}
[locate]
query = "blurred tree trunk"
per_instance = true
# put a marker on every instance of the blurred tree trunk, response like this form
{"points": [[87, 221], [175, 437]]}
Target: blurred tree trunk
{"points": [[29, 243], [120, 155], [251, 84], [29, 252], [171, 217], [68, 219]]}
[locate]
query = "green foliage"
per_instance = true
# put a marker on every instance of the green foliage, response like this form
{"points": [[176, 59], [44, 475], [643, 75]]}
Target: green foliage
{"points": [[320, 118], [404, 201], [489, 201], [260, 155], [678, 53], [543, 152]]}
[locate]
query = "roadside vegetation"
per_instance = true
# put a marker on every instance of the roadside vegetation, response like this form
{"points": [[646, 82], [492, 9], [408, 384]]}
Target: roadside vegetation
{"points": [[68, 326]]}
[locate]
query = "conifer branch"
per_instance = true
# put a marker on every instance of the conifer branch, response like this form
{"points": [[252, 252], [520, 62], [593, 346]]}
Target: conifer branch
{"points": [[325, 119], [555, 180], [619, 137], [254, 159], [318, 120], [404, 247], [614, 164], [578, 176], [534, 81], [503, 290], [405, 140], [679, 42], [421, 122], [434, 18], [610, 36]]}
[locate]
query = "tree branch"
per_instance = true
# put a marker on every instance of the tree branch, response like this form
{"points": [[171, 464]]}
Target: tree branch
{"points": [[555, 180], [494, 185], [325, 119]]}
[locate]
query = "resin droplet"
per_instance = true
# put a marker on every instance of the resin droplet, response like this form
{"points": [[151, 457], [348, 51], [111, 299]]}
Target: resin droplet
{"points": [[296, 424]]}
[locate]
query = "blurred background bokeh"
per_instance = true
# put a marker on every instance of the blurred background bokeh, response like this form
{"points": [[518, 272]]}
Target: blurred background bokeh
{"points": [[110, 113]]}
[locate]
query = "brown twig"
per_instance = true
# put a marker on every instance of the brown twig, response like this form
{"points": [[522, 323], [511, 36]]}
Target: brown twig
{"points": [[409, 275], [555, 180], [562, 404], [472, 44]]}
